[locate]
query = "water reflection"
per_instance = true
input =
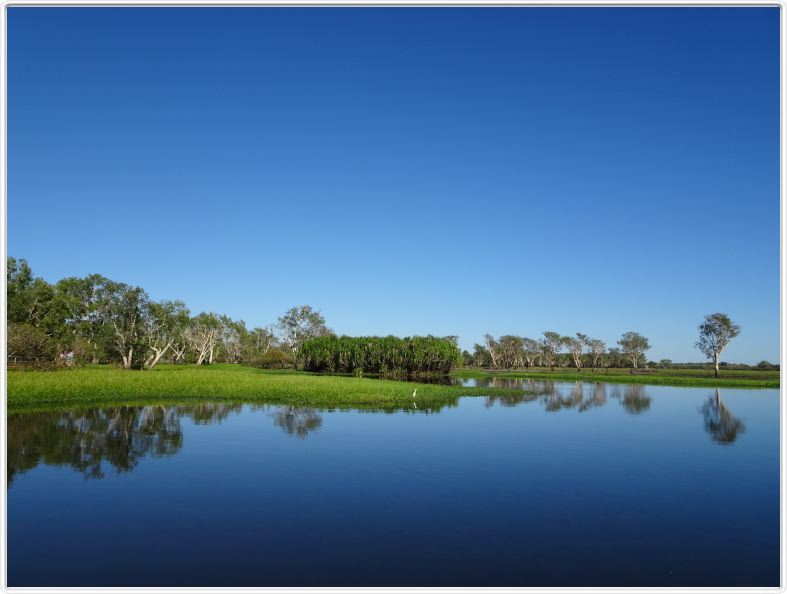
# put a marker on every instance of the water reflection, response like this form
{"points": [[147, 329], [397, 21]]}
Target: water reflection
{"points": [[94, 440], [722, 425], [635, 400], [297, 421]]}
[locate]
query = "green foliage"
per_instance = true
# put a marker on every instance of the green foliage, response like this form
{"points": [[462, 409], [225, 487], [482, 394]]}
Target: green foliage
{"points": [[380, 354], [274, 358]]}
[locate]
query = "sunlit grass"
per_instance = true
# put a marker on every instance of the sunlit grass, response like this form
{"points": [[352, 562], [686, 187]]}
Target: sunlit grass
{"points": [[662, 377], [109, 385]]}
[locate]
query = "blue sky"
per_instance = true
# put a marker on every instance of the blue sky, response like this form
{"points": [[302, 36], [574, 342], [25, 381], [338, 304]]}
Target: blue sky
{"points": [[409, 171]]}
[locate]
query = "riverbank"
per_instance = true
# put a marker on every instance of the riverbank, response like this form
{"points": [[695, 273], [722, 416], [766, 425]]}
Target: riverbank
{"points": [[659, 377], [106, 385]]}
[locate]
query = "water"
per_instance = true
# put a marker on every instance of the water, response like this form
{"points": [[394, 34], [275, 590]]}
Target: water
{"points": [[596, 485]]}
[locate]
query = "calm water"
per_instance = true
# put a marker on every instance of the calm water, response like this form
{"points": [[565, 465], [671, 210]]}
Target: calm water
{"points": [[604, 485]]}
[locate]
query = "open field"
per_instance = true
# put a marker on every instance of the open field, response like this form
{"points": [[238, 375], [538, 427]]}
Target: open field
{"points": [[109, 385], [660, 377]]}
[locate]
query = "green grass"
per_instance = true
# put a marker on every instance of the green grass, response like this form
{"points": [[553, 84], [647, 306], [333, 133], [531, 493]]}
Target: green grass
{"points": [[104, 385], [661, 377]]}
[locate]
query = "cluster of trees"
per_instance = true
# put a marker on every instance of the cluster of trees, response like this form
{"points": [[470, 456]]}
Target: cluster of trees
{"points": [[381, 354], [507, 352], [554, 349], [95, 319]]}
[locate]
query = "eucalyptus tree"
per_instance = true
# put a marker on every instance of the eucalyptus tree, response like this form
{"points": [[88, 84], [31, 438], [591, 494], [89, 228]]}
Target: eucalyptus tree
{"points": [[204, 335], [262, 339], [597, 349], [716, 332], [576, 346], [234, 337], [531, 350], [510, 351], [551, 345], [122, 309], [492, 347], [481, 356], [300, 324], [633, 346], [164, 325]]}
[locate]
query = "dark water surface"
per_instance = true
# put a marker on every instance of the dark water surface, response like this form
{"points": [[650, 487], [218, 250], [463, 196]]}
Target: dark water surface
{"points": [[597, 485]]}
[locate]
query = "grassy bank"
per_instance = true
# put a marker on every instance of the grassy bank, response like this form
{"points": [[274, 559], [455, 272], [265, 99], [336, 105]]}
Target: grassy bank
{"points": [[660, 377], [106, 385]]}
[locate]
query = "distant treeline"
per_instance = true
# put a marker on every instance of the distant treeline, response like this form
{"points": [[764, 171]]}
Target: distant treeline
{"points": [[380, 354]]}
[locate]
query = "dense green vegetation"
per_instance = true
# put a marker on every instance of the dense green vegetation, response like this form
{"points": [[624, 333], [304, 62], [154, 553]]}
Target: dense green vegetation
{"points": [[417, 355], [660, 377], [104, 385]]}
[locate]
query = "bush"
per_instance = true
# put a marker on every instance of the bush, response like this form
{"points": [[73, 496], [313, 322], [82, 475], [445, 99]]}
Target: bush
{"points": [[29, 343], [275, 359]]}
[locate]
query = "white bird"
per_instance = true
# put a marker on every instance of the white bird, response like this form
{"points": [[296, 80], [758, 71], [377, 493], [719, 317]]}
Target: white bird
{"points": [[414, 391]]}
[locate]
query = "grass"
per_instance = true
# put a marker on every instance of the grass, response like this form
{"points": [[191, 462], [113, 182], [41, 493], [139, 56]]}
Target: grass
{"points": [[661, 377], [104, 385]]}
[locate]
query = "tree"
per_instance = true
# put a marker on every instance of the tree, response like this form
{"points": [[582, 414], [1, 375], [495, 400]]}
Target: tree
{"points": [[122, 309], [597, 349], [633, 345], [481, 356], [576, 346], [716, 332], [203, 335], [510, 350], [531, 349], [491, 347], [300, 324], [551, 345], [164, 324], [234, 338]]}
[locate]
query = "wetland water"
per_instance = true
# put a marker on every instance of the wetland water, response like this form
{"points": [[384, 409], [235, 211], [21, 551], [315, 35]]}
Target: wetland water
{"points": [[573, 484]]}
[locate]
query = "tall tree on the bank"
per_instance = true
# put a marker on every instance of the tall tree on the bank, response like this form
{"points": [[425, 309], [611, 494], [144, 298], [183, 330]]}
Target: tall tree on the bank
{"points": [[300, 324], [576, 346], [481, 356], [491, 347], [716, 332], [122, 309], [597, 349], [633, 345], [204, 335], [164, 324], [551, 345], [531, 350]]}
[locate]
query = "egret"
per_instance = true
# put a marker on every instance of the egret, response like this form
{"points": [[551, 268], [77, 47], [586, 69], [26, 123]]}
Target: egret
{"points": [[414, 391]]}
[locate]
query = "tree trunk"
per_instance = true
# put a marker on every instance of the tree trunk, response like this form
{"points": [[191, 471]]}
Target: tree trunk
{"points": [[716, 364]]}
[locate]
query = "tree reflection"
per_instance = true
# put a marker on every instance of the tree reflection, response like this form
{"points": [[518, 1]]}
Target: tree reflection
{"points": [[722, 425], [297, 420], [635, 400], [88, 440], [597, 397]]}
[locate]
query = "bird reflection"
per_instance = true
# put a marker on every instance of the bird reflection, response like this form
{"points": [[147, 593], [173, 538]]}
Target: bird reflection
{"points": [[722, 425]]}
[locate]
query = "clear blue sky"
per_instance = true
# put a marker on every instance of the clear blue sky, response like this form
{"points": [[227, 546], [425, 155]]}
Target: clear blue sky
{"points": [[409, 171]]}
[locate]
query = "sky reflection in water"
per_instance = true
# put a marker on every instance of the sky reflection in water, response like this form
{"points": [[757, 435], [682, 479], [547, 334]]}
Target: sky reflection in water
{"points": [[591, 484]]}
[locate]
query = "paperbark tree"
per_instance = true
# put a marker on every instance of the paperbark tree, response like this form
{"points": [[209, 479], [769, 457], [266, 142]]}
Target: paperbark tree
{"points": [[551, 345], [300, 324], [164, 324], [633, 345], [716, 332], [204, 335]]}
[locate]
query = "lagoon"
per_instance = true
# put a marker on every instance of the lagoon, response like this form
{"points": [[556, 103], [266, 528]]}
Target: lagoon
{"points": [[569, 484]]}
